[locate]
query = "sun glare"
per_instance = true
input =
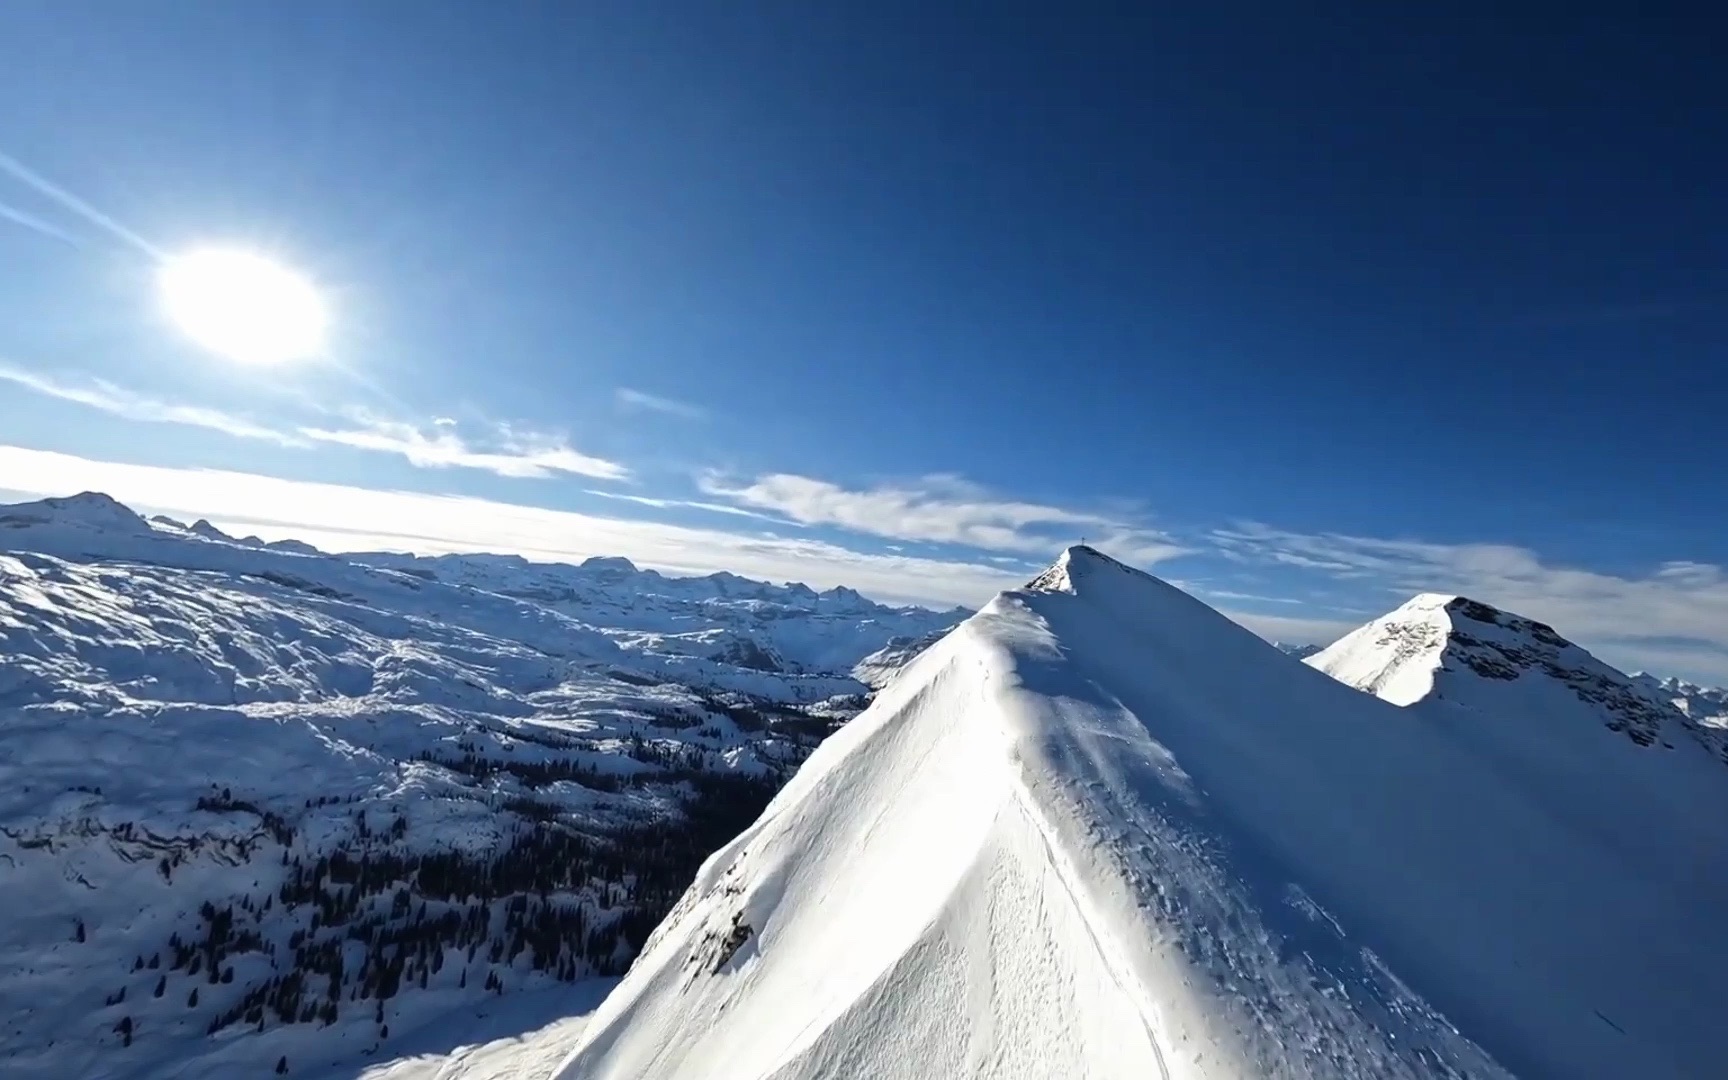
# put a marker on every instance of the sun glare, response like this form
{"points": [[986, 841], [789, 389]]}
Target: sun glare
{"points": [[243, 306]]}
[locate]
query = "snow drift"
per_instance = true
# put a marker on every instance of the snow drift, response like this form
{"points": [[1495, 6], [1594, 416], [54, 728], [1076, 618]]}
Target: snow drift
{"points": [[1101, 831]]}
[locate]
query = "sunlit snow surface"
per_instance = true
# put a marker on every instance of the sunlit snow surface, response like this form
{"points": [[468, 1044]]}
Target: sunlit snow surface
{"points": [[1100, 831]]}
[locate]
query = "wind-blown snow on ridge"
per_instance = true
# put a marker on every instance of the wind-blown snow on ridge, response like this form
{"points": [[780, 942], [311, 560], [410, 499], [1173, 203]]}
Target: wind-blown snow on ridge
{"points": [[1101, 831]]}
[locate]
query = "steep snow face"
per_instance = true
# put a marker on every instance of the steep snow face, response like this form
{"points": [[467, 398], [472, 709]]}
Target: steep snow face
{"points": [[1396, 656], [1101, 831]]}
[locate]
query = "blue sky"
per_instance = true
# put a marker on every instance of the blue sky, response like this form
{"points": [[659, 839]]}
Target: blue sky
{"points": [[1307, 314]]}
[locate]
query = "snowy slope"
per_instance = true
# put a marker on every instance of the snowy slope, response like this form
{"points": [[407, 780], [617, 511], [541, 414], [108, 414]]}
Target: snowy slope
{"points": [[233, 775], [1101, 831]]}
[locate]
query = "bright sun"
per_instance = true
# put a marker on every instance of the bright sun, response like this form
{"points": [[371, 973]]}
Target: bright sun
{"points": [[243, 306]]}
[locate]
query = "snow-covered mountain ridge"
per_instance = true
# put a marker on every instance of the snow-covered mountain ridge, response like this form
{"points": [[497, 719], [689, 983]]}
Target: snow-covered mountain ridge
{"points": [[1101, 831], [252, 788], [1444, 648]]}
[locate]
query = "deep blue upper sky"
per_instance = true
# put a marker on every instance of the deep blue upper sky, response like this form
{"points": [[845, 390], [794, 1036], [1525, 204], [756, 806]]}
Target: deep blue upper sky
{"points": [[1342, 304]]}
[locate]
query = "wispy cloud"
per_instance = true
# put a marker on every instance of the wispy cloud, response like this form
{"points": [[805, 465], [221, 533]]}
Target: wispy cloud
{"points": [[1676, 615], [514, 453], [37, 225], [1232, 594], [640, 401], [29, 177], [340, 517], [688, 504], [944, 509], [506, 450], [118, 401]]}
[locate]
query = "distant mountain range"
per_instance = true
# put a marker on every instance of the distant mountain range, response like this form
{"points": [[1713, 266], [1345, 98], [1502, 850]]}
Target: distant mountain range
{"points": [[1705, 705]]}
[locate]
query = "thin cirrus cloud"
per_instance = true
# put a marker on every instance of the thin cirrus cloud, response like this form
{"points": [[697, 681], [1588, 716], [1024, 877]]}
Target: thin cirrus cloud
{"points": [[30, 178], [524, 456], [114, 400], [945, 510], [509, 452], [37, 225], [1675, 617], [689, 504], [641, 401]]}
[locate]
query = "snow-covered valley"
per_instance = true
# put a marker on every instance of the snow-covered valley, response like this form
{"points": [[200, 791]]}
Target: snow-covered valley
{"points": [[259, 803]]}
